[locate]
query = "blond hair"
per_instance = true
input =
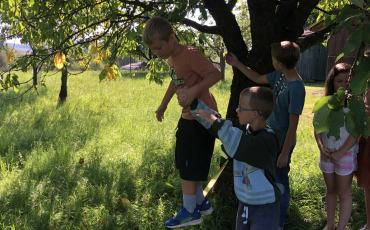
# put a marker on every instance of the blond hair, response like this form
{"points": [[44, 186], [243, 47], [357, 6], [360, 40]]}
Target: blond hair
{"points": [[156, 28], [260, 99], [286, 52]]}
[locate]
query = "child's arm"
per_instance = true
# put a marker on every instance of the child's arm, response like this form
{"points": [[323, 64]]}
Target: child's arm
{"points": [[232, 60], [337, 155], [206, 83], [166, 99], [203, 114], [289, 139], [323, 150], [235, 142]]}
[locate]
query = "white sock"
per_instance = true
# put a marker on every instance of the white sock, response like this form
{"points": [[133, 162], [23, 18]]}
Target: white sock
{"points": [[199, 194], [189, 202]]}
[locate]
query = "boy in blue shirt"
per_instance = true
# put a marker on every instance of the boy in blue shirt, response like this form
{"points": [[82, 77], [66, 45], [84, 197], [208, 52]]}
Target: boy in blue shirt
{"points": [[289, 95]]}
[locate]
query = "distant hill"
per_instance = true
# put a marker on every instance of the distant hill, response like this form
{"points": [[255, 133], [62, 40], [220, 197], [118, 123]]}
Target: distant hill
{"points": [[21, 47]]}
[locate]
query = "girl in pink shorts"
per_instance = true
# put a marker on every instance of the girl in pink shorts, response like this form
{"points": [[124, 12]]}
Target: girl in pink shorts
{"points": [[338, 158]]}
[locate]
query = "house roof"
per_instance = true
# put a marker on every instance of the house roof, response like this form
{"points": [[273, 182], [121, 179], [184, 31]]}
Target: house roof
{"points": [[317, 26]]}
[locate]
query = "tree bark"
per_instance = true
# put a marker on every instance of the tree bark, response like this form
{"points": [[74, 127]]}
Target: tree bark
{"points": [[222, 64], [34, 69], [63, 90]]}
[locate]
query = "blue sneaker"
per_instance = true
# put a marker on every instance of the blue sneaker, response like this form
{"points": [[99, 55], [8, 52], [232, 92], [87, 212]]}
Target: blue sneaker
{"points": [[183, 218], [205, 208]]}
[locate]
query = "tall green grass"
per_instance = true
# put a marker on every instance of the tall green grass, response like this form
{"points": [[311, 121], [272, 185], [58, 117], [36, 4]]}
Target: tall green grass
{"points": [[127, 154]]}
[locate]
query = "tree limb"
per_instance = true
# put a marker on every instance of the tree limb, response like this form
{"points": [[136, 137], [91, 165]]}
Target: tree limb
{"points": [[313, 39], [201, 28]]}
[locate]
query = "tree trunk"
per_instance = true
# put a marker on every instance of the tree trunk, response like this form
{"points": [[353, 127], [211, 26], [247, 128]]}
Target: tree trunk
{"points": [[63, 89], [34, 69], [222, 64], [271, 21]]}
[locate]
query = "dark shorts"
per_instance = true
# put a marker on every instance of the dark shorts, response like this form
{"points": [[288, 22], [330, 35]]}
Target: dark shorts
{"points": [[266, 218], [194, 149]]}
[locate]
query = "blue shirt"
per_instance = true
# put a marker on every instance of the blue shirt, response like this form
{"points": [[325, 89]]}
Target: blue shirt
{"points": [[289, 98]]}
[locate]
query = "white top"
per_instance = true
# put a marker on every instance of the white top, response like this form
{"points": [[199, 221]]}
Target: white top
{"points": [[333, 144]]}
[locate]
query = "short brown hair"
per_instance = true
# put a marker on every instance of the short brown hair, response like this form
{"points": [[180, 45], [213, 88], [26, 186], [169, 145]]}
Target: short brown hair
{"points": [[156, 28], [336, 70], [286, 52], [260, 99]]}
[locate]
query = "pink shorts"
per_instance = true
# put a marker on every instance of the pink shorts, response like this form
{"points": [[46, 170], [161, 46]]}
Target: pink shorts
{"points": [[345, 166]]}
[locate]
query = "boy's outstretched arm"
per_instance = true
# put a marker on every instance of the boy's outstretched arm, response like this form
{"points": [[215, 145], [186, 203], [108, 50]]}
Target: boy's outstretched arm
{"points": [[290, 135], [207, 116], [198, 106], [166, 99], [233, 139], [232, 60]]}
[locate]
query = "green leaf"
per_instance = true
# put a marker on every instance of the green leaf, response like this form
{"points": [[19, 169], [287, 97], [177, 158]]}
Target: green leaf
{"points": [[193, 3], [339, 57], [320, 103], [204, 12], [362, 65], [160, 12], [329, 19], [358, 83], [366, 133], [359, 3], [114, 16], [357, 116], [366, 33], [341, 93], [170, 185], [334, 103], [336, 122], [15, 79], [131, 35], [343, 24], [353, 42], [175, 13], [351, 125], [321, 122], [347, 12]]}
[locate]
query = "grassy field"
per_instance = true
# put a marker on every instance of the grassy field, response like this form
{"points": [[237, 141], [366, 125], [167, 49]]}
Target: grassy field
{"points": [[127, 154]]}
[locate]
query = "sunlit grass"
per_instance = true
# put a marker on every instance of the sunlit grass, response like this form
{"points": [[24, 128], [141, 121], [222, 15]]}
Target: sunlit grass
{"points": [[127, 154]]}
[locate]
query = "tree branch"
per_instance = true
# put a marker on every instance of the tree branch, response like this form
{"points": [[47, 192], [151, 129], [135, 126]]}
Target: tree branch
{"points": [[201, 28], [313, 39]]}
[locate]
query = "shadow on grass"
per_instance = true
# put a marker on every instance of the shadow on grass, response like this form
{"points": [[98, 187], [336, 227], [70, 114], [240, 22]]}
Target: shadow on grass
{"points": [[81, 196], [10, 97]]}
